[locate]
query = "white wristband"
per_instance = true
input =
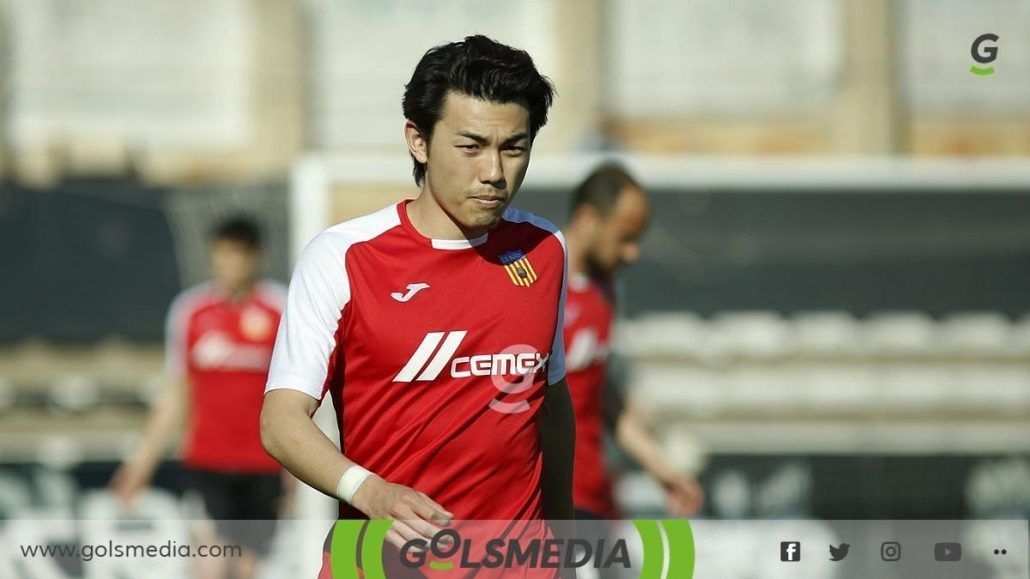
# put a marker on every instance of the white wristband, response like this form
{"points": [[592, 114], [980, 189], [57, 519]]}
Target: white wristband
{"points": [[350, 482]]}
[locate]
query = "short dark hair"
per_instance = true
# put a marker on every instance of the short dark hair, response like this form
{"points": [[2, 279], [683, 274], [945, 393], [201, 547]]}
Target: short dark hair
{"points": [[479, 67], [601, 188], [241, 229]]}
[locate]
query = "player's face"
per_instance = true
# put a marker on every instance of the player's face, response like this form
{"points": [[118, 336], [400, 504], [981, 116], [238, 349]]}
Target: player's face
{"points": [[616, 239], [477, 159], [234, 264]]}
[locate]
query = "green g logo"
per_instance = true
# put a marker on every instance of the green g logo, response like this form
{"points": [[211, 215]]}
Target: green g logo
{"points": [[984, 54]]}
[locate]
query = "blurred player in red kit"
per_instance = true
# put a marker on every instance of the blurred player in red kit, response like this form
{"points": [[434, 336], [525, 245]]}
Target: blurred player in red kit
{"points": [[610, 212], [218, 341], [435, 325]]}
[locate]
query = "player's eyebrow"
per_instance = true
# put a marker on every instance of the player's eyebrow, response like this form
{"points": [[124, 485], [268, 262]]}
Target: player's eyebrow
{"points": [[483, 140], [516, 138]]}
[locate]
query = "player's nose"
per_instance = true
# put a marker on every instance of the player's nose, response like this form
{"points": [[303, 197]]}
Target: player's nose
{"points": [[491, 170]]}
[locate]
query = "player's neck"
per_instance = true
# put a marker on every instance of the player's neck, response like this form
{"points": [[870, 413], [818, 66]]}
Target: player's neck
{"points": [[577, 254], [234, 291], [579, 263], [429, 219]]}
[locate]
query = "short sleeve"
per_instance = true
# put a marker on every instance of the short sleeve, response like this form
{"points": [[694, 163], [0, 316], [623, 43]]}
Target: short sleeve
{"points": [[176, 323], [556, 363], [273, 294], [307, 337]]}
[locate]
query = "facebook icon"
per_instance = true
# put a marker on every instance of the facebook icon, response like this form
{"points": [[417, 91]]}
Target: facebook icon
{"points": [[790, 551]]}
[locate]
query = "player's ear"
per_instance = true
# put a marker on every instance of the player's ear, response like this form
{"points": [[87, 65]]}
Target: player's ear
{"points": [[587, 218], [418, 144]]}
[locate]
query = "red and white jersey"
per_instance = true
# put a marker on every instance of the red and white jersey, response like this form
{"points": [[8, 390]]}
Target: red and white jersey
{"points": [[436, 353], [223, 348], [588, 321]]}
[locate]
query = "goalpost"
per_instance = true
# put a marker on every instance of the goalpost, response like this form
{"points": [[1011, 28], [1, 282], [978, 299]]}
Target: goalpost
{"points": [[329, 188]]}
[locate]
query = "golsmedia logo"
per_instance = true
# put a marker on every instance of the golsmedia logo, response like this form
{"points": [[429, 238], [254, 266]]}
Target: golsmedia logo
{"points": [[984, 51], [448, 546], [666, 549]]}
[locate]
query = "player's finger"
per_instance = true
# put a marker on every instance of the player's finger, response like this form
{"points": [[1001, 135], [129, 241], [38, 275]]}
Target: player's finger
{"points": [[405, 530], [443, 516], [396, 539], [429, 510], [693, 496], [427, 530], [685, 503], [680, 509], [413, 514]]}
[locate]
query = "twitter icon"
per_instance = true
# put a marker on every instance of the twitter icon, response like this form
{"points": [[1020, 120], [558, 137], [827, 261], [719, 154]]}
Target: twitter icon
{"points": [[838, 553]]}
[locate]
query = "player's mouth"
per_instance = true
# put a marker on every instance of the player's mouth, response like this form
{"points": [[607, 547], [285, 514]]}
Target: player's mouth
{"points": [[488, 201]]}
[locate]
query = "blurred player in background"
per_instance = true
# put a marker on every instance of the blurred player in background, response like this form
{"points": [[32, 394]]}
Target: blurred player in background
{"points": [[219, 338], [435, 324], [610, 212]]}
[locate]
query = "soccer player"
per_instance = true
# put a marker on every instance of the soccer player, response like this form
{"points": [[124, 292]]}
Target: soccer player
{"points": [[610, 212], [219, 338], [435, 324]]}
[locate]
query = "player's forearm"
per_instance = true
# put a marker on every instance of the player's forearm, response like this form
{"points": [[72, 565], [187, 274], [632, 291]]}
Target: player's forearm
{"points": [[163, 419], [557, 443], [289, 435], [638, 441]]}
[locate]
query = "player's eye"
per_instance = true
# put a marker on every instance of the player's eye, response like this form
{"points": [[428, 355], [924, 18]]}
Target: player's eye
{"points": [[472, 147]]}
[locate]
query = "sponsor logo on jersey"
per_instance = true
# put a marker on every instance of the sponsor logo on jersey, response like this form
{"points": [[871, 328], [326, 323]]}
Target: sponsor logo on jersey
{"points": [[218, 351], [511, 371], [518, 267], [424, 365], [572, 312], [256, 324], [585, 349]]}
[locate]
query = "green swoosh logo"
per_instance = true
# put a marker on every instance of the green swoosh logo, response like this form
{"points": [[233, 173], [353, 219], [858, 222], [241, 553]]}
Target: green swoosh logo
{"points": [[344, 548], [678, 561]]}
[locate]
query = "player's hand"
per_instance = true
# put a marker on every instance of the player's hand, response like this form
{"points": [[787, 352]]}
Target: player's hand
{"points": [[683, 495], [415, 515], [129, 480]]}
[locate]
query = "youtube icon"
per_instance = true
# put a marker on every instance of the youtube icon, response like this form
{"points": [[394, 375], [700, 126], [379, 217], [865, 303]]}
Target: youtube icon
{"points": [[947, 552]]}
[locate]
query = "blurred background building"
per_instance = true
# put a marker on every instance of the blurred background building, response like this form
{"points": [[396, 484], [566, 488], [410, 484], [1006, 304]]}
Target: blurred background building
{"points": [[831, 316]]}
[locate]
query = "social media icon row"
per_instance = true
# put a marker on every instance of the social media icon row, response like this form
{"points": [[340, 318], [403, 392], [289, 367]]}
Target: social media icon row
{"points": [[790, 551]]}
